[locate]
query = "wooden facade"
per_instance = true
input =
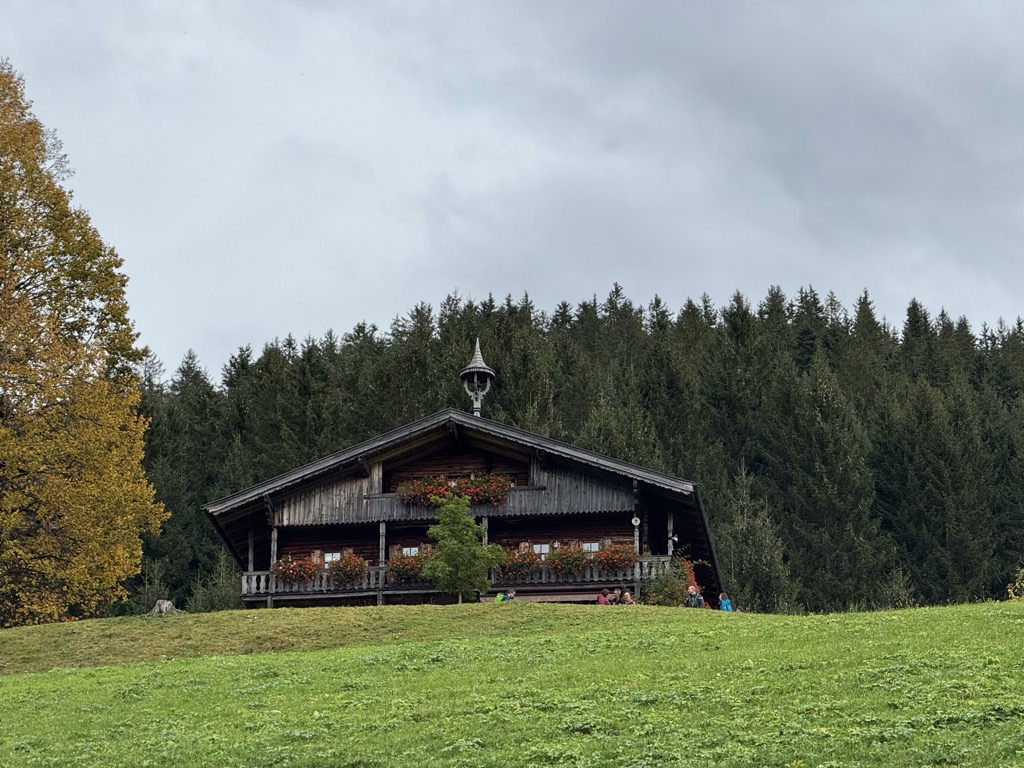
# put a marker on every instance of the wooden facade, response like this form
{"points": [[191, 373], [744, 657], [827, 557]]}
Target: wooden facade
{"points": [[562, 496]]}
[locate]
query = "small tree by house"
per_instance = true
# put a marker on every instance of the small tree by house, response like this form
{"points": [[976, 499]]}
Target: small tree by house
{"points": [[460, 561], [217, 591]]}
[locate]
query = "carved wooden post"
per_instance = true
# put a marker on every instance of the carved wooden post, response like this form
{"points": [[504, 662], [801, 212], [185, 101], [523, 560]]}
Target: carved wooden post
{"points": [[272, 522], [252, 567], [671, 533], [382, 555], [273, 562], [645, 537]]}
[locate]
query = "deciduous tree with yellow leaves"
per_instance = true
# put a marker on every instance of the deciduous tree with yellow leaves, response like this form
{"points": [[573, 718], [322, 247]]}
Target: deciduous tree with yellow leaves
{"points": [[73, 497]]}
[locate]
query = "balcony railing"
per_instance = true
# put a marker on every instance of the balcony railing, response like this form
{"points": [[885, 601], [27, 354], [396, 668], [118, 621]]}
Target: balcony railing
{"points": [[268, 583], [263, 583], [646, 569]]}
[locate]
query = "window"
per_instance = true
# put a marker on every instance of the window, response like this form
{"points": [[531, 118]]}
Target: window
{"points": [[591, 546], [410, 551], [331, 557], [542, 550]]}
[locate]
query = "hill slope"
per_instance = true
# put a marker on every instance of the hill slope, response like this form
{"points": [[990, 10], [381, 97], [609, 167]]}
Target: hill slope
{"points": [[520, 684]]}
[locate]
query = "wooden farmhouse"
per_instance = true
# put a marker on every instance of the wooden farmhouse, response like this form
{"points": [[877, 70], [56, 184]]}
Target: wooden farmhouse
{"points": [[348, 504]]}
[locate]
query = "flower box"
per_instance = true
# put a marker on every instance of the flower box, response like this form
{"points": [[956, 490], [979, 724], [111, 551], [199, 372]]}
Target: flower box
{"points": [[291, 570], [567, 561], [518, 563], [430, 491], [348, 570], [616, 557], [403, 569]]}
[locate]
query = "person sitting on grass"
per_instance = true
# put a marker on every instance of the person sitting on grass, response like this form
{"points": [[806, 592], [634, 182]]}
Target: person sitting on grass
{"points": [[627, 599], [694, 599], [602, 599], [724, 603]]}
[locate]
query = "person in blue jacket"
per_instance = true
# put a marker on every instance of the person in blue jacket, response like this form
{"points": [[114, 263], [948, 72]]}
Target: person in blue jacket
{"points": [[724, 603]]}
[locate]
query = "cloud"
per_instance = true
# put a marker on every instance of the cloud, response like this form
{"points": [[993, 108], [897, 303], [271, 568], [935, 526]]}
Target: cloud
{"points": [[273, 168]]}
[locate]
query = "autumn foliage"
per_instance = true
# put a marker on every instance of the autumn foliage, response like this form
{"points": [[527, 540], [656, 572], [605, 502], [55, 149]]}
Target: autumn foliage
{"points": [[73, 497]]}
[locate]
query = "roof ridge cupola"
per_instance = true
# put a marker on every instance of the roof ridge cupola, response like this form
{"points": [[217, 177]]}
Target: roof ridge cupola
{"points": [[476, 378]]}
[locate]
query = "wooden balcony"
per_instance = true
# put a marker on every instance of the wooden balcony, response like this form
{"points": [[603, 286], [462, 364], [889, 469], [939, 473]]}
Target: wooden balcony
{"points": [[258, 586]]}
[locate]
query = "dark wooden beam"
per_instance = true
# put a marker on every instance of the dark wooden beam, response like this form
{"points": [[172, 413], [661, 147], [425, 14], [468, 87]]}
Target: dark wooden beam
{"points": [[269, 504], [364, 466], [542, 458]]}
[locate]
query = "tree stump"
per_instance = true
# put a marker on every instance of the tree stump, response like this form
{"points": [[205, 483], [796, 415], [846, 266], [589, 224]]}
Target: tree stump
{"points": [[163, 607]]}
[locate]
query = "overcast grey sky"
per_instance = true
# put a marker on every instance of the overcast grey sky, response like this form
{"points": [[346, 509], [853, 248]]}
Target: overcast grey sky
{"points": [[267, 168]]}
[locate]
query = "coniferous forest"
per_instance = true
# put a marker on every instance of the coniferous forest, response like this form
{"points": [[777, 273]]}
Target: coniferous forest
{"points": [[845, 462]]}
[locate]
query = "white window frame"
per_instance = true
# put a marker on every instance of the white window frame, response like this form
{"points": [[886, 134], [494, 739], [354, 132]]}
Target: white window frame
{"points": [[590, 547], [411, 551], [542, 549], [331, 557]]}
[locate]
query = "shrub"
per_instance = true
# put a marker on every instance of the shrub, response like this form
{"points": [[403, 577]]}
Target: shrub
{"points": [[1015, 589], [405, 568], [219, 590], [615, 557], [348, 570], [567, 561], [292, 570], [670, 588], [518, 563]]}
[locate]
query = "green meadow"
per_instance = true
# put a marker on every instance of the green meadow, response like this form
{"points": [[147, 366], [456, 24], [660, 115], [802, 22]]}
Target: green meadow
{"points": [[518, 685]]}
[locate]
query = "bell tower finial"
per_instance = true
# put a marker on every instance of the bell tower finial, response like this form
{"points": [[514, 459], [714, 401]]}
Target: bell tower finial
{"points": [[476, 379]]}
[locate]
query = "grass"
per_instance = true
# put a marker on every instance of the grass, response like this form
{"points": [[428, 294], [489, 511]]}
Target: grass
{"points": [[519, 684]]}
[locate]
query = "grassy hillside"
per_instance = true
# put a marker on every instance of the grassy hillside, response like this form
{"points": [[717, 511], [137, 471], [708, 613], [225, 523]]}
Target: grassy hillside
{"points": [[519, 684]]}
